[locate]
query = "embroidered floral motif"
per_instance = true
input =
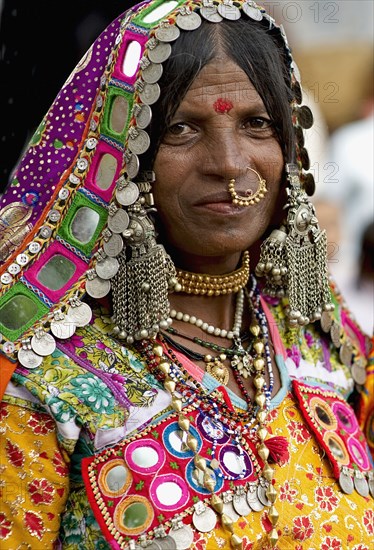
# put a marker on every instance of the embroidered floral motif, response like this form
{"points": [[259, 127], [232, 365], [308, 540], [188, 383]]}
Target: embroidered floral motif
{"points": [[34, 524], [93, 393], [41, 425], [5, 526], [326, 498], [302, 528], [368, 521], [41, 492], [287, 492], [331, 543], [299, 432]]}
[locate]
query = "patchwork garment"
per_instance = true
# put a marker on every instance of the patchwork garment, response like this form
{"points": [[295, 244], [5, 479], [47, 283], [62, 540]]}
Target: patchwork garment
{"points": [[91, 454]]}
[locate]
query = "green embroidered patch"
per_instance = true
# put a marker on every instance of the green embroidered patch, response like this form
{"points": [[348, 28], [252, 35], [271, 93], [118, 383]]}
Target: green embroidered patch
{"points": [[19, 309], [139, 19], [117, 114], [83, 223]]}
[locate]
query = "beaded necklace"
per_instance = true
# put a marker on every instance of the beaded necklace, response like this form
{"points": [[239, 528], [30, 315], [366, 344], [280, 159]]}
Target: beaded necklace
{"points": [[183, 388]]}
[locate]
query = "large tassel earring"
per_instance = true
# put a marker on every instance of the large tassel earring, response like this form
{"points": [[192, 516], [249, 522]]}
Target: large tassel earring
{"points": [[293, 258], [146, 273]]}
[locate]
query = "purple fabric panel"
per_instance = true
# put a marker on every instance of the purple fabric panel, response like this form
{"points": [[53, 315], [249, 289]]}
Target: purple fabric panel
{"points": [[54, 149]]}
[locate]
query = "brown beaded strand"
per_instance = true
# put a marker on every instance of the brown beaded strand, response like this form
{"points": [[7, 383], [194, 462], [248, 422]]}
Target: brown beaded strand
{"points": [[199, 461], [262, 432]]}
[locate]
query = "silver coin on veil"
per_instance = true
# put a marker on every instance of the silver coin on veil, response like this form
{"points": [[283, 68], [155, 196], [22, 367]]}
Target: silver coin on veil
{"points": [[205, 521], [81, 315], [326, 321], [119, 221], [252, 12], [149, 95], [97, 287], [152, 73], [140, 143], [128, 194], [188, 22], [211, 14], [183, 537], [143, 117], [229, 11], [107, 268], [29, 359], [132, 166], [345, 354], [63, 328], [335, 334], [358, 374], [113, 246], [160, 53], [43, 344], [167, 33]]}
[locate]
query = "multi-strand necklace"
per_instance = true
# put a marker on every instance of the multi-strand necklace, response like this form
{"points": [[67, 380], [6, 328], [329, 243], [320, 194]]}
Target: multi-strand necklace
{"points": [[184, 389]]}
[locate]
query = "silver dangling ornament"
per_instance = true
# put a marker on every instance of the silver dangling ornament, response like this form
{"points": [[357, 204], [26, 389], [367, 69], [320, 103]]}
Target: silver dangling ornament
{"points": [[293, 258]]}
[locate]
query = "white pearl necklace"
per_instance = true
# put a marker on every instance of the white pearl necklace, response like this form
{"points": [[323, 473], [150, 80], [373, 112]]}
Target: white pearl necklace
{"points": [[210, 329]]}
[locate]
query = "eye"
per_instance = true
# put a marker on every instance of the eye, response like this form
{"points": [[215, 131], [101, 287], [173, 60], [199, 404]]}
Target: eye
{"points": [[179, 129], [258, 123]]}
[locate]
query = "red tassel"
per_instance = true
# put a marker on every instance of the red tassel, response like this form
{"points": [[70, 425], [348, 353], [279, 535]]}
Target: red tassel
{"points": [[278, 448]]}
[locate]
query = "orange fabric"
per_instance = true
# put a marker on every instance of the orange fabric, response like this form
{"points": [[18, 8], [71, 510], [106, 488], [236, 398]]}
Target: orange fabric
{"points": [[34, 479], [7, 369]]}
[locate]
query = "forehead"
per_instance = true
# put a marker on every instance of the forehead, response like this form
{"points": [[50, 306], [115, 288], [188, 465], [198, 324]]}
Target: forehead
{"points": [[222, 77]]}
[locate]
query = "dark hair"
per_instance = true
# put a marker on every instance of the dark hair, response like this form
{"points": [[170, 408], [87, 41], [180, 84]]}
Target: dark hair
{"points": [[258, 51]]}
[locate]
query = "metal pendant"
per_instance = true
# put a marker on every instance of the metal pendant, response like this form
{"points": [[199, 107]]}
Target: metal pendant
{"points": [[210, 13], [326, 321], [140, 143], [183, 537], [167, 543], [371, 482], [29, 359], [345, 354], [81, 314], [43, 343], [63, 328], [132, 165], [229, 510], [143, 117], [358, 374], [360, 483], [107, 268], [113, 246], [189, 21], [252, 498], [97, 287], [261, 493], [335, 334], [160, 53], [241, 505], [204, 519], [167, 33], [149, 95], [229, 11], [127, 195], [152, 73], [119, 221], [252, 12], [346, 481]]}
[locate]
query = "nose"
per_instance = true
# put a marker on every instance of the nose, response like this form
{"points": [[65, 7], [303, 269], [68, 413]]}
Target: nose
{"points": [[225, 158]]}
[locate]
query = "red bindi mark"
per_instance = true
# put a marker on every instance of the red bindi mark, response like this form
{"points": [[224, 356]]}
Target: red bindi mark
{"points": [[222, 105]]}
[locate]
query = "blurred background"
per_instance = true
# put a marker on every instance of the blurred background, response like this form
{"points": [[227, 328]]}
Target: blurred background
{"points": [[332, 43]]}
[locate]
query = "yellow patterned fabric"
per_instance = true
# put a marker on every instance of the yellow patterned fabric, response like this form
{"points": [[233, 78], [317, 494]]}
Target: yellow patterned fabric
{"points": [[34, 479], [314, 513]]}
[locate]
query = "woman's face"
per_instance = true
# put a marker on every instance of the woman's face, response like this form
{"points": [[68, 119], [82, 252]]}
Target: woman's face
{"points": [[219, 130]]}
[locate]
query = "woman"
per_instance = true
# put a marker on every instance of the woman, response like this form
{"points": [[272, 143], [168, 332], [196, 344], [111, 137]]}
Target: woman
{"points": [[194, 407]]}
